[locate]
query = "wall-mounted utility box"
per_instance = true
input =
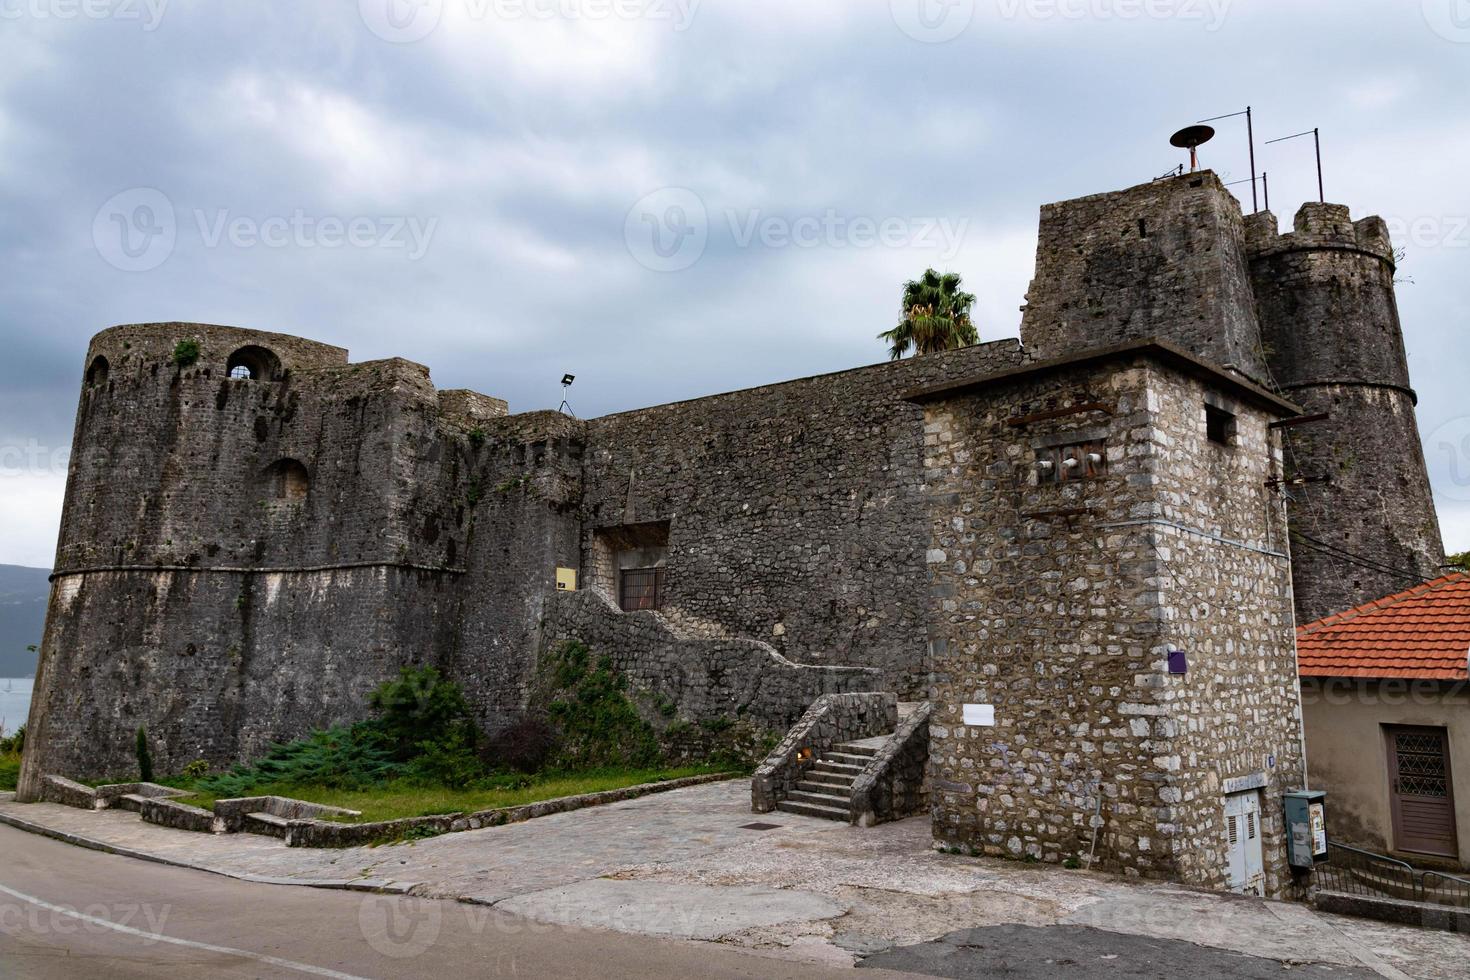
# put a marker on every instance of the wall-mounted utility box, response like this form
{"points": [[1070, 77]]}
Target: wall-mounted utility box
{"points": [[566, 580], [1306, 828]]}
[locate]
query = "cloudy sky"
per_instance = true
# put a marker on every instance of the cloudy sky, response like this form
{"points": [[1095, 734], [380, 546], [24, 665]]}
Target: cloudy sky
{"points": [[666, 197]]}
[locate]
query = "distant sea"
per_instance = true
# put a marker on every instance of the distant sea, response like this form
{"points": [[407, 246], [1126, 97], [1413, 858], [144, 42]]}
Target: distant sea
{"points": [[15, 702]]}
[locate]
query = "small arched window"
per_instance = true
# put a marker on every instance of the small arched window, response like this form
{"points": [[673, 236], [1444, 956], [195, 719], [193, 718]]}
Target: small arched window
{"points": [[253, 363], [97, 371], [289, 479]]}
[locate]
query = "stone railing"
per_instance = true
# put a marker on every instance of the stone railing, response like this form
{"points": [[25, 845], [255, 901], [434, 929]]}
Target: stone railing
{"points": [[707, 678], [831, 720], [892, 785]]}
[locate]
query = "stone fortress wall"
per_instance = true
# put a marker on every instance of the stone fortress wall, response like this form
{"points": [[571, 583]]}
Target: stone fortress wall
{"points": [[243, 560], [1330, 322]]}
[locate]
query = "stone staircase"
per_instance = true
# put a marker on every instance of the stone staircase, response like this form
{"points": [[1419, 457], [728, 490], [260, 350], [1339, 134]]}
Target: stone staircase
{"points": [[826, 788]]}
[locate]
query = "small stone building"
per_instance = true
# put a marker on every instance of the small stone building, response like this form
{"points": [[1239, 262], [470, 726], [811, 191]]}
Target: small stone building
{"points": [[1110, 620], [1386, 699]]}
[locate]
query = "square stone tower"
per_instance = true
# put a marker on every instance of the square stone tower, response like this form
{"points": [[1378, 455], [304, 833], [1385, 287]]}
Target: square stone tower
{"points": [[1110, 617]]}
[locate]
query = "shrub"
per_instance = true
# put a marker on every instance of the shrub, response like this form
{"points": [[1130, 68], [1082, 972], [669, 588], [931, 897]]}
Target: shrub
{"points": [[145, 758], [448, 761], [599, 726], [360, 757], [196, 770], [13, 744], [523, 745], [186, 352], [421, 706]]}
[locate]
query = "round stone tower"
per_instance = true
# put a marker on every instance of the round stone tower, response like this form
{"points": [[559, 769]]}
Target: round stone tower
{"points": [[1362, 514]]}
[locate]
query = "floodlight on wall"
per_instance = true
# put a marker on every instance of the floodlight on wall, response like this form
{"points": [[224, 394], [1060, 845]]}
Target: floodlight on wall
{"points": [[566, 385]]}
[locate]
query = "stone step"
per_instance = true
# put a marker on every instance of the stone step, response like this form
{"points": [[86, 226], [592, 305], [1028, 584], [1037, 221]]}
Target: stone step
{"points": [[847, 759], [813, 810], [835, 780], [264, 823], [839, 768], [818, 799], [853, 748], [828, 790]]}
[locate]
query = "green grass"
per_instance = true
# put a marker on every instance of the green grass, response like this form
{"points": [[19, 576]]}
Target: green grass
{"points": [[9, 770], [398, 799]]}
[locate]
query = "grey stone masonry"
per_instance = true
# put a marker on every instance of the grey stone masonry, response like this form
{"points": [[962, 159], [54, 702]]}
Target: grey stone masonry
{"points": [[831, 720], [1084, 525], [894, 784], [792, 508], [1164, 260], [1363, 520], [707, 679]]}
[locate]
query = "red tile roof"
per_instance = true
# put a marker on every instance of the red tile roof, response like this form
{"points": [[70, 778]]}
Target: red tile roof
{"points": [[1423, 633]]}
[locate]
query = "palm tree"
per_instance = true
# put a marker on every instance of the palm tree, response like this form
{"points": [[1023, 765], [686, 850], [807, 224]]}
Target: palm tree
{"points": [[936, 316]]}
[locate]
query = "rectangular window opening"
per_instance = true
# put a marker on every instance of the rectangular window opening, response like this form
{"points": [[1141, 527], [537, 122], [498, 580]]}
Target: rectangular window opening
{"points": [[1219, 426], [641, 588]]}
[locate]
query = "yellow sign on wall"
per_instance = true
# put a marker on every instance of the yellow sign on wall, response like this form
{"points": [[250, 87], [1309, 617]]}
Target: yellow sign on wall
{"points": [[566, 580]]}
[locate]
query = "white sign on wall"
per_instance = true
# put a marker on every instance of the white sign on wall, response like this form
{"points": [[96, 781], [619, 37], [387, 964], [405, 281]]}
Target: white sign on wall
{"points": [[980, 715]]}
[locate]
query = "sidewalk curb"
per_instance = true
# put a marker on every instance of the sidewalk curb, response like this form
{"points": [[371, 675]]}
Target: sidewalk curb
{"points": [[372, 885]]}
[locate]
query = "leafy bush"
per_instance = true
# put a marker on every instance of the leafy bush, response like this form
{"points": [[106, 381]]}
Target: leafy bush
{"points": [[449, 761], [196, 770], [186, 352], [13, 744], [523, 745], [421, 706], [599, 726], [360, 757]]}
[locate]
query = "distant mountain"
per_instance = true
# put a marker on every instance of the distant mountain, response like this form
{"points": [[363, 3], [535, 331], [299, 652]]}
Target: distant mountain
{"points": [[23, 595]]}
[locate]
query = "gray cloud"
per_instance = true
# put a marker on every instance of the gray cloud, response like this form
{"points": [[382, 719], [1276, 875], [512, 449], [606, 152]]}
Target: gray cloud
{"points": [[529, 140]]}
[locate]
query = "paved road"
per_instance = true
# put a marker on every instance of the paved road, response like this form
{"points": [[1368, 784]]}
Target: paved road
{"points": [[1083, 953], [67, 912]]}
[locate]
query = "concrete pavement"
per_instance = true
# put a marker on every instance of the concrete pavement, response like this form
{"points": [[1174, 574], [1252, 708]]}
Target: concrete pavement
{"points": [[689, 864], [68, 913]]}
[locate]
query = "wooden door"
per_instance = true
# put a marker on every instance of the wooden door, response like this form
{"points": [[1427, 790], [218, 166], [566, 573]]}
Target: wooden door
{"points": [[1420, 792]]}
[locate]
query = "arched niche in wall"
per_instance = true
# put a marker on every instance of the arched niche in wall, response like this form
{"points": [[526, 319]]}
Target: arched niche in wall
{"points": [[97, 371], [288, 480], [253, 363]]}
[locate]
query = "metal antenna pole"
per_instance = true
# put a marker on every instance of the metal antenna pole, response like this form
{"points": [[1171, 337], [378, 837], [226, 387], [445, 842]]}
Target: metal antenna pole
{"points": [[1250, 135], [1316, 135], [1317, 138], [1266, 189]]}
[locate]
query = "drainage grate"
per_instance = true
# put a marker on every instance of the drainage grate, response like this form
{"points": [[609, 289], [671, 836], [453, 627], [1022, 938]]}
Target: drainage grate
{"points": [[760, 826]]}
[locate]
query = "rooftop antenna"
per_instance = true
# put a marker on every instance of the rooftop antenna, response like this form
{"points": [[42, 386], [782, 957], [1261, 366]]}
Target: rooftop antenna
{"points": [[1316, 135], [1192, 138], [566, 385], [1250, 135]]}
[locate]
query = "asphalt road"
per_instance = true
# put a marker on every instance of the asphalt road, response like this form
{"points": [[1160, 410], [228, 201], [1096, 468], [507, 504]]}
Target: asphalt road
{"points": [[1084, 953], [66, 912]]}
